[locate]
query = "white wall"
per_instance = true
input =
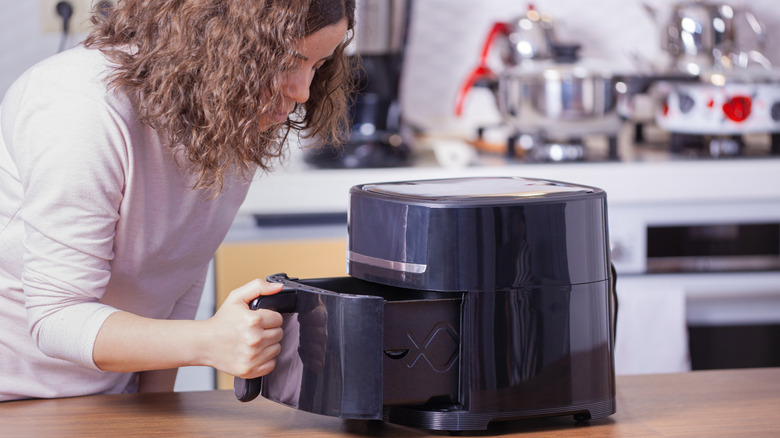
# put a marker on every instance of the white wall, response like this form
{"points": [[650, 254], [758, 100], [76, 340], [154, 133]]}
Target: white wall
{"points": [[22, 44]]}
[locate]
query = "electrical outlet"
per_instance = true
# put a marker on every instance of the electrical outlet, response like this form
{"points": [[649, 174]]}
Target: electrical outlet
{"points": [[79, 23]]}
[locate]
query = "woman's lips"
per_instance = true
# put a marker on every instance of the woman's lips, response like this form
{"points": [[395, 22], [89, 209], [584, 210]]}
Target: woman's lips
{"points": [[280, 115], [275, 116]]}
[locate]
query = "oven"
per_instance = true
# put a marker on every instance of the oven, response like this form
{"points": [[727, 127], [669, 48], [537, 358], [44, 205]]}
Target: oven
{"points": [[699, 284]]}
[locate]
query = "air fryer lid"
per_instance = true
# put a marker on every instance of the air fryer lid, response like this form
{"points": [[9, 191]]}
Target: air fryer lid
{"points": [[477, 234]]}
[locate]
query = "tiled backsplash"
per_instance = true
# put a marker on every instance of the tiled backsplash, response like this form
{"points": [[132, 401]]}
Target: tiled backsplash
{"points": [[445, 39]]}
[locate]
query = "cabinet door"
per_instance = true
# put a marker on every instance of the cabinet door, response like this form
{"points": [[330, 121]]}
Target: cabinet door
{"points": [[237, 263]]}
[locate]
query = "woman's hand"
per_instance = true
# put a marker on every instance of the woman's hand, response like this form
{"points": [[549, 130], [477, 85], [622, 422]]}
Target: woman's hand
{"points": [[243, 342]]}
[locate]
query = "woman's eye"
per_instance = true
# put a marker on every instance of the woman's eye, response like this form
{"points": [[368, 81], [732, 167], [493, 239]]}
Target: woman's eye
{"points": [[319, 65]]}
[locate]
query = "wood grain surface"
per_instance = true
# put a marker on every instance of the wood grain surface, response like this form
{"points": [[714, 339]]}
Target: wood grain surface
{"points": [[724, 403]]}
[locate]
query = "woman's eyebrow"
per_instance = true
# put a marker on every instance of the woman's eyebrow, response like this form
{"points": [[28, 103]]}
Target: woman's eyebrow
{"points": [[303, 57]]}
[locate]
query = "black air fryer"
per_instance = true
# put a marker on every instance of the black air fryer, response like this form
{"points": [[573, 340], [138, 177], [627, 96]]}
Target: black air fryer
{"points": [[468, 300]]}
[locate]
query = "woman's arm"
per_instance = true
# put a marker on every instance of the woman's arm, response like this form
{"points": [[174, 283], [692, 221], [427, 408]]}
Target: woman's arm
{"points": [[157, 380], [236, 340]]}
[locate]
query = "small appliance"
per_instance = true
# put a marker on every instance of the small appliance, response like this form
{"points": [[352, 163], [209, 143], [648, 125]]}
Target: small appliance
{"points": [[376, 137], [467, 301]]}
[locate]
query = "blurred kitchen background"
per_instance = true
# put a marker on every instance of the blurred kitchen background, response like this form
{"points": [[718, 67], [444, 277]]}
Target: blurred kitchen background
{"points": [[445, 38], [694, 212]]}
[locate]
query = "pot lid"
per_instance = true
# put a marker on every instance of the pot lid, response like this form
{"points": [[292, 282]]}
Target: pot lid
{"points": [[555, 71], [495, 190]]}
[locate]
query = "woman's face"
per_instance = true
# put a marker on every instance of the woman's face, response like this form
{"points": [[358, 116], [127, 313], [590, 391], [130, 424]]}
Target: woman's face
{"points": [[313, 51]]}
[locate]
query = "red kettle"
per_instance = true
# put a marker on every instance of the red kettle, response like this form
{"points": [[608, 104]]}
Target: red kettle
{"points": [[529, 36]]}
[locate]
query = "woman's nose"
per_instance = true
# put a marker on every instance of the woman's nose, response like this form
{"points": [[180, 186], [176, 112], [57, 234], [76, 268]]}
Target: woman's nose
{"points": [[296, 86]]}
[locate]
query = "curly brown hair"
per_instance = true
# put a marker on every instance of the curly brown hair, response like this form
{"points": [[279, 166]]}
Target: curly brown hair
{"points": [[201, 72]]}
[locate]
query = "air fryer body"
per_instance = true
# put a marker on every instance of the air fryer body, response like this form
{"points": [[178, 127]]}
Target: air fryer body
{"points": [[468, 301]]}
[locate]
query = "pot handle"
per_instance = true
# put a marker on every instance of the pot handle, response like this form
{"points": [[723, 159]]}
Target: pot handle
{"points": [[481, 71], [284, 301], [498, 28], [757, 27]]}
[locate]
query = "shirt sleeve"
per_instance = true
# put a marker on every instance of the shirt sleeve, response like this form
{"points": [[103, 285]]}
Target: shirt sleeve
{"points": [[71, 157]]}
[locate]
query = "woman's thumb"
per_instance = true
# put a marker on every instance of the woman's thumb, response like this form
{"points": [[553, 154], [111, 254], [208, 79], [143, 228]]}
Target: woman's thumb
{"points": [[254, 289]]}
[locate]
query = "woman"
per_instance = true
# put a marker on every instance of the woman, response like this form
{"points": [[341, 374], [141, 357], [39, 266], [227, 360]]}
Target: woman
{"points": [[122, 165]]}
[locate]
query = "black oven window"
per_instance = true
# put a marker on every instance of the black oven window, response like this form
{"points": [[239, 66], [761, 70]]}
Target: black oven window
{"points": [[726, 247]]}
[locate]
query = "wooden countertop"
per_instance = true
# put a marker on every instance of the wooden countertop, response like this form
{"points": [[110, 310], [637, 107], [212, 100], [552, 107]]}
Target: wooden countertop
{"points": [[724, 403]]}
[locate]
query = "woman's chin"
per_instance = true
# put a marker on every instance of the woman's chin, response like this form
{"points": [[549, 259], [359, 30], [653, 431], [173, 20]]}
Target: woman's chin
{"points": [[272, 122]]}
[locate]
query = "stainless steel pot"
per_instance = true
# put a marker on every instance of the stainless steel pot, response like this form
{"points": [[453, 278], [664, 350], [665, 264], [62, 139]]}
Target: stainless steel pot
{"points": [[544, 86], [554, 93], [553, 97], [700, 35]]}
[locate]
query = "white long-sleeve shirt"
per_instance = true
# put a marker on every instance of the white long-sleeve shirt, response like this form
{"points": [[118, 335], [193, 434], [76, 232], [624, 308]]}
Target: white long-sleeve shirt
{"points": [[95, 216]]}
